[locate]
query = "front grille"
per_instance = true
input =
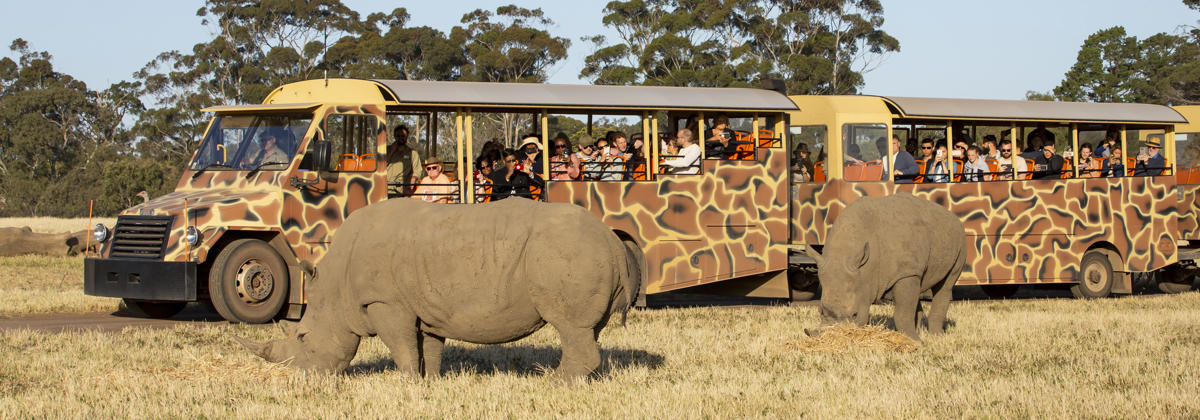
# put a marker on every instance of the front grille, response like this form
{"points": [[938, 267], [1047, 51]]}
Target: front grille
{"points": [[141, 237]]}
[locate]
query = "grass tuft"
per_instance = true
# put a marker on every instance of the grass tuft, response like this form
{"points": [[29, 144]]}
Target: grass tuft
{"points": [[845, 338]]}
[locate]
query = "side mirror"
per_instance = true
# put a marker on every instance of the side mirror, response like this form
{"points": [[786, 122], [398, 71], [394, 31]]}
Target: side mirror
{"points": [[321, 151]]}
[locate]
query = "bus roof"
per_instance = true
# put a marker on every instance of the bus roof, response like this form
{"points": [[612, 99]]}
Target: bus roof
{"points": [[540, 95], [1032, 110]]}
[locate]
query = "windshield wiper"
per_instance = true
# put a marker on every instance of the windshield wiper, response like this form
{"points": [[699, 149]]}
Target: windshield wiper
{"points": [[261, 165], [211, 165]]}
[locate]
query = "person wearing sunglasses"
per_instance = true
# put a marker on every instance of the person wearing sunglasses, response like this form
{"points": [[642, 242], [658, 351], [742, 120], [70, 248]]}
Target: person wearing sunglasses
{"points": [[508, 180], [1152, 162], [564, 165], [435, 187], [1006, 161], [530, 156]]}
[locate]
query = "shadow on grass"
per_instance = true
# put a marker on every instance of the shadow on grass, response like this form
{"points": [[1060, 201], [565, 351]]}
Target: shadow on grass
{"points": [[522, 360]]}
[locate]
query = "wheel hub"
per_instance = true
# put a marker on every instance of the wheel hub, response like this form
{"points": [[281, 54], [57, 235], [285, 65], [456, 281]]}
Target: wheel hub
{"points": [[254, 281], [1094, 277]]}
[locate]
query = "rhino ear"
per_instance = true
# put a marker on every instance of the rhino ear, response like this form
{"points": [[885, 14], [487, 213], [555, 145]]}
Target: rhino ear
{"points": [[856, 262], [293, 329]]}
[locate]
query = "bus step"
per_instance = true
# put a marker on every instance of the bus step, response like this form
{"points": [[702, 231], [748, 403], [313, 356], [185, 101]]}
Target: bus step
{"points": [[801, 259], [1188, 254]]}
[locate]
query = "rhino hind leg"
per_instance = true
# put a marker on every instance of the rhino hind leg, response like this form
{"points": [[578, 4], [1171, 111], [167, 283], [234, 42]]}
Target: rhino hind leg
{"points": [[580, 351], [940, 305], [398, 330], [908, 300], [431, 354]]}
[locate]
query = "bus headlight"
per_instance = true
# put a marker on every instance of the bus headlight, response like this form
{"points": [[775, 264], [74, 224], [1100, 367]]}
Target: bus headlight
{"points": [[191, 236], [100, 232]]}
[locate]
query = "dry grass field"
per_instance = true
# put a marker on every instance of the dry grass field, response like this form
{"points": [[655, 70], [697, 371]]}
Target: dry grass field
{"points": [[1126, 357], [54, 224]]}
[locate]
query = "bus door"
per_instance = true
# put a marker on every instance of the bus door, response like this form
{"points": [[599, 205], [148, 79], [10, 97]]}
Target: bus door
{"points": [[317, 202], [808, 145]]}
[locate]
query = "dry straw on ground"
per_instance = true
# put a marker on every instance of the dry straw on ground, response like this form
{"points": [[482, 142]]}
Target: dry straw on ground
{"points": [[842, 338]]}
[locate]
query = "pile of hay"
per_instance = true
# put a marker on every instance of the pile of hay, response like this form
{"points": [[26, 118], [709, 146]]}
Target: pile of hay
{"points": [[842, 338]]}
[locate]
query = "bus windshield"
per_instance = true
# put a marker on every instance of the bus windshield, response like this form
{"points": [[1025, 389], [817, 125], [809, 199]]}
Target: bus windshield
{"points": [[248, 142]]}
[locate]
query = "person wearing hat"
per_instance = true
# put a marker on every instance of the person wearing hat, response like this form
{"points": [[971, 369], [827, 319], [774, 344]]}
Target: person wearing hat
{"points": [[530, 156], [1152, 162], [435, 187]]}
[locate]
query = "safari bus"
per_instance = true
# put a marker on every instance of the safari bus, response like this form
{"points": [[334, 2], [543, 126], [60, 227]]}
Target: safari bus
{"points": [[271, 183], [1089, 222]]}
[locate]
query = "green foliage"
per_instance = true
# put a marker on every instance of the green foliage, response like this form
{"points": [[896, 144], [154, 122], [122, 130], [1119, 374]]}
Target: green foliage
{"points": [[512, 45], [815, 46]]}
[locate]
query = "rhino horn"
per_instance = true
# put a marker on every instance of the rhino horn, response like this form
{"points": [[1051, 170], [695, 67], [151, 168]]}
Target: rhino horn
{"points": [[259, 349], [814, 254]]}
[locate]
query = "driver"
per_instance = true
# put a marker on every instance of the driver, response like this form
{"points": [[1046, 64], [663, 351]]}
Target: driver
{"points": [[269, 152]]}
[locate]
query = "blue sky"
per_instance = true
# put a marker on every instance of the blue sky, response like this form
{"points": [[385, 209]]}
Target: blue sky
{"points": [[962, 49]]}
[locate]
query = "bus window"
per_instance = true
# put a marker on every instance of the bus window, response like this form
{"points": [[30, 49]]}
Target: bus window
{"points": [[1187, 151], [863, 148], [353, 139], [1146, 154], [807, 143]]}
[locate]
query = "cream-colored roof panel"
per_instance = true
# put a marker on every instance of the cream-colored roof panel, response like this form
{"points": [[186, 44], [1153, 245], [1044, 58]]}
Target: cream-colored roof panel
{"points": [[1034, 110], [262, 107], [585, 96]]}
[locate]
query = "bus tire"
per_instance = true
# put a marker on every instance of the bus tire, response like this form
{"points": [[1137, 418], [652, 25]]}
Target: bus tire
{"points": [[1176, 280], [803, 284], [1000, 291], [152, 309], [1095, 277], [248, 282]]}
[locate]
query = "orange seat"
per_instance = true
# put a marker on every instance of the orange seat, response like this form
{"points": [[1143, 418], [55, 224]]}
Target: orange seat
{"points": [[819, 172], [639, 172], [366, 162], [766, 138], [349, 162], [873, 171], [535, 192], [920, 171], [993, 167], [1130, 165], [853, 172], [1028, 168], [1194, 177], [745, 146], [958, 170], [1067, 171], [1182, 175]]}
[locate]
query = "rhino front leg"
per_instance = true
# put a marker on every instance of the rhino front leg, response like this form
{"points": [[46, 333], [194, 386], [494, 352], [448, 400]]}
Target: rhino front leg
{"points": [[431, 354], [398, 330], [580, 351], [907, 292]]}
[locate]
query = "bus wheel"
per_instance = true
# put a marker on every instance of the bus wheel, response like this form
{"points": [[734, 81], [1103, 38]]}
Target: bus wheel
{"points": [[999, 291], [1095, 277], [153, 309], [803, 284], [1176, 280], [248, 282]]}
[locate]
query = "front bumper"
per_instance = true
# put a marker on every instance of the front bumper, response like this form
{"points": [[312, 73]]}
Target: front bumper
{"points": [[140, 279]]}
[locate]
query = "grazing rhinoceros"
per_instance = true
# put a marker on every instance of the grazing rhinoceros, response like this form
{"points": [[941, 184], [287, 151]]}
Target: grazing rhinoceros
{"points": [[24, 241], [897, 247], [416, 274]]}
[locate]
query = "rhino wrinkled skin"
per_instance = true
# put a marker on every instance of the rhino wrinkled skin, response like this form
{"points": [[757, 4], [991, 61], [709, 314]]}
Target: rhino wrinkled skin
{"points": [[897, 247], [415, 274]]}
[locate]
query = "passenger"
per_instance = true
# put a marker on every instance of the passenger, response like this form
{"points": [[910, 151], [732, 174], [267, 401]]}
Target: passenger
{"points": [[611, 161], [509, 181], [564, 166], [718, 144], [689, 160], [636, 158], [435, 187], [990, 151], [620, 143], [1088, 168], [975, 169], [483, 180], [587, 152], [1111, 138], [530, 156], [853, 154], [802, 167], [1035, 143], [402, 161], [1114, 165], [1041, 132], [939, 168], [905, 167], [1152, 163], [960, 149], [1047, 165], [911, 147], [926, 149]]}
